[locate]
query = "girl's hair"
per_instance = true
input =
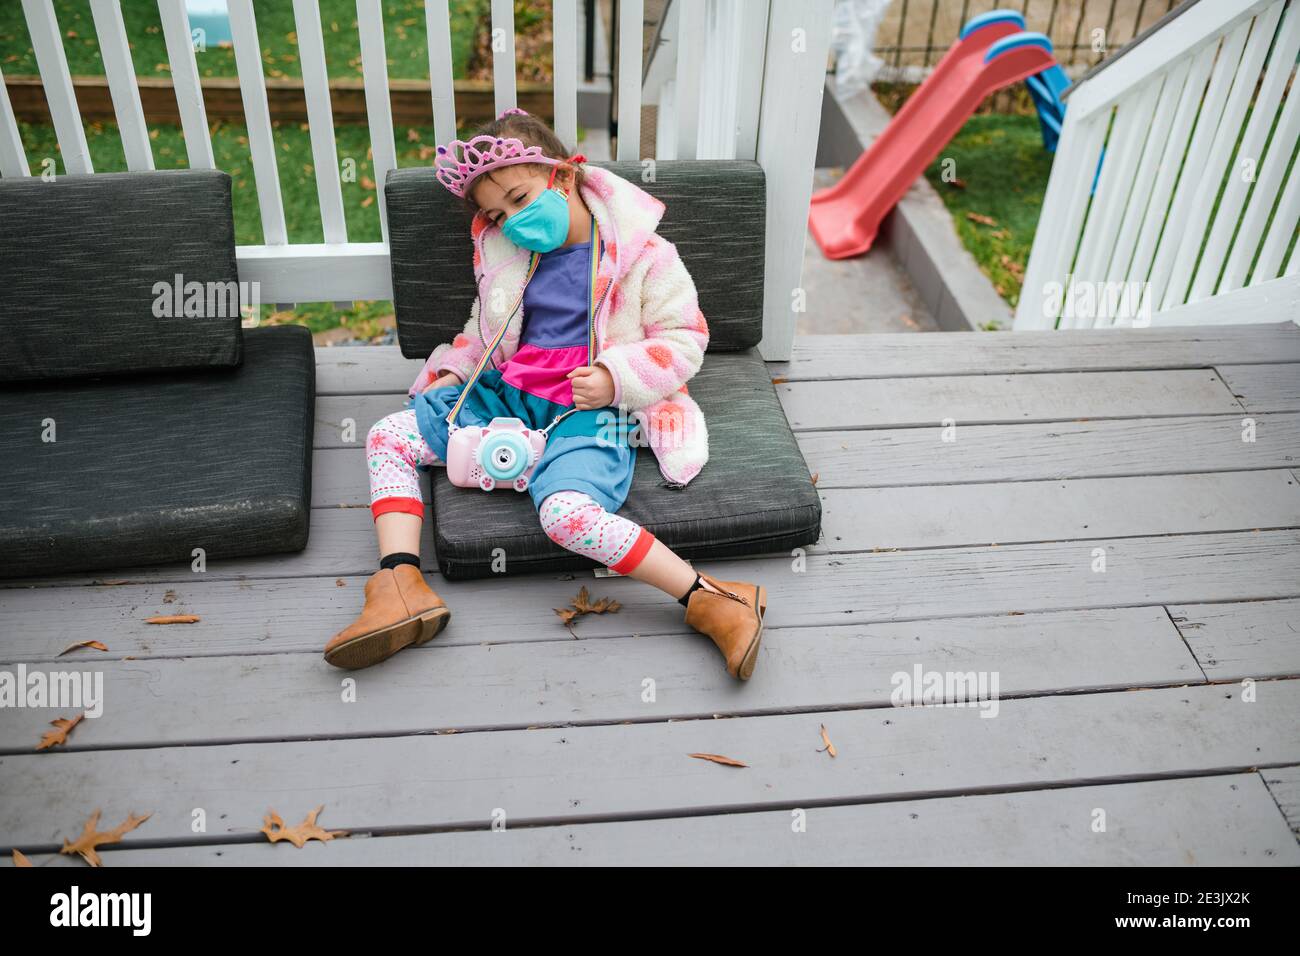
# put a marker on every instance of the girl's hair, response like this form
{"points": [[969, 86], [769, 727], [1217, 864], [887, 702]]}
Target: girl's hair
{"points": [[531, 131]]}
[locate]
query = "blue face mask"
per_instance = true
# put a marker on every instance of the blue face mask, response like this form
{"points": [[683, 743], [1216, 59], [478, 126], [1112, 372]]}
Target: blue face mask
{"points": [[543, 224]]}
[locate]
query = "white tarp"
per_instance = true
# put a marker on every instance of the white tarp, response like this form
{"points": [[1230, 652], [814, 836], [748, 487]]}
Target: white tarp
{"points": [[852, 38]]}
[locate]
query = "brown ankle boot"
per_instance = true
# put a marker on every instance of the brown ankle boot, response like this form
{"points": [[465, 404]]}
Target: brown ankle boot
{"points": [[400, 609], [734, 619]]}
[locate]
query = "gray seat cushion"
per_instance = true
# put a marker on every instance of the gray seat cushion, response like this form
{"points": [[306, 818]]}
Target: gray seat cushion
{"points": [[715, 218], [81, 260], [147, 468], [754, 495]]}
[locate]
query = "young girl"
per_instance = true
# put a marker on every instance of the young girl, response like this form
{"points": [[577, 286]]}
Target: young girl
{"points": [[536, 215]]}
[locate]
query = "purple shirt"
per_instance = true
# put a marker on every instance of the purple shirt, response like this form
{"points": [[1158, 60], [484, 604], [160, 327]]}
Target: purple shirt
{"points": [[553, 341]]}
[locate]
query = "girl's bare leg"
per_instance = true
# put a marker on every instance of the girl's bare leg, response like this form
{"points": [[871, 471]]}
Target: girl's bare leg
{"points": [[399, 531], [666, 571]]}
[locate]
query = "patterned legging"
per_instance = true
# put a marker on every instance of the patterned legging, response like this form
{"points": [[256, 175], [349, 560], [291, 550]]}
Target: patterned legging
{"points": [[572, 519]]}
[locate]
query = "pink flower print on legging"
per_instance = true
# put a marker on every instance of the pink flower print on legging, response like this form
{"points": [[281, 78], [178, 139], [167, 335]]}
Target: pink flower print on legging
{"points": [[393, 450]]}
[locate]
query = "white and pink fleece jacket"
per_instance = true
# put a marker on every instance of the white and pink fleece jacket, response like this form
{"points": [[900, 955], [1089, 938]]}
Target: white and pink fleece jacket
{"points": [[650, 332]]}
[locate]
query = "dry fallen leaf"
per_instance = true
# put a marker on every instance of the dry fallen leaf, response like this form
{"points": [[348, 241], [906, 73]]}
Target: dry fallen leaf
{"points": [[582, 605], [20, 859], [718, 758], [54, 738], [97, 645], [830, 747], [173, 619], [276, 831], [91, 839], [981, 219]]}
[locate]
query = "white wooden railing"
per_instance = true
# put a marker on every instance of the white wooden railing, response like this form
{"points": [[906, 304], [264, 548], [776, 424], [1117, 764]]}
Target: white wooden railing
{"points": [[1198, 113], [750, 75]]}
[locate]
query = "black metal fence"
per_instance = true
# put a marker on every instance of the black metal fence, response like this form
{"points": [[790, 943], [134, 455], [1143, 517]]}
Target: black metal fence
{"points": [[1071, 25]]}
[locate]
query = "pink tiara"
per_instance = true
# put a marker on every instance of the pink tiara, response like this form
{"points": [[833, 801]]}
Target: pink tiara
{"points": [[459, 163]]}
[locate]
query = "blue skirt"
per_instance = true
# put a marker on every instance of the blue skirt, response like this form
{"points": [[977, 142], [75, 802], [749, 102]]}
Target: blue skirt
{"points": [[589, 451]]}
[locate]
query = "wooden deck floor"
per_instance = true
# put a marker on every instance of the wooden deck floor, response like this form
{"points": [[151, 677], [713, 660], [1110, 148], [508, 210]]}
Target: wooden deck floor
{"points": [[1120, 734]]}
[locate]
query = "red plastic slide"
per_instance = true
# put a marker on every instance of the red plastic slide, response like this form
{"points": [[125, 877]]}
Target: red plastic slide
{"points": [[844, 218]]}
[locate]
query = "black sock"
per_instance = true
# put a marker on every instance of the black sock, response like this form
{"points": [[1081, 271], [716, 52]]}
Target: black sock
{"points": [[685, 599], [399, 557]]}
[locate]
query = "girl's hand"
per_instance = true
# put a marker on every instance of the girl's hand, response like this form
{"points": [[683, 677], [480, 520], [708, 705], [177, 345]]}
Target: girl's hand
{"points": [[450, 378], [593, 386]]}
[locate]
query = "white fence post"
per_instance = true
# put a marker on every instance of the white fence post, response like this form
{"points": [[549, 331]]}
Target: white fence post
{"points": [[13, 159], [47, 42], [379, 109], [503, 59], [185, 81], [753, 53], [687, 90], [320, 119], [631, 13], [719, 80], [115, 51], [798, 40], [257, 117], [564, 28], [442, 87]]}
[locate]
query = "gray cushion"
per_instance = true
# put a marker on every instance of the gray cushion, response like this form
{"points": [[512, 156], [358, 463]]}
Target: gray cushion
{"points": [[715, 217], [79, 260], [754, 496], [147, 468]]}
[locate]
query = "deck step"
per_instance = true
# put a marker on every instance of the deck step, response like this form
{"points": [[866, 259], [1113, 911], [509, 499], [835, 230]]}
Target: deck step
{"points": [[587, 774], [1152, 823]]}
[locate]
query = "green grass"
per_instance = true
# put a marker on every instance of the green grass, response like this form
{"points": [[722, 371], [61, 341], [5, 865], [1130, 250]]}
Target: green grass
{"points": [[1001, 172], [404, 36]]}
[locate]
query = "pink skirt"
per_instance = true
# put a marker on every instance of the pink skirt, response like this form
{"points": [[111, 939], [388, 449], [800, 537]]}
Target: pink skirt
{"points": [[541, 371]]}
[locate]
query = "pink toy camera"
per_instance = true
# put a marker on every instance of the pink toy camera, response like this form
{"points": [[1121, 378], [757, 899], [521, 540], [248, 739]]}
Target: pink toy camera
{"points": [[503, 452]]}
